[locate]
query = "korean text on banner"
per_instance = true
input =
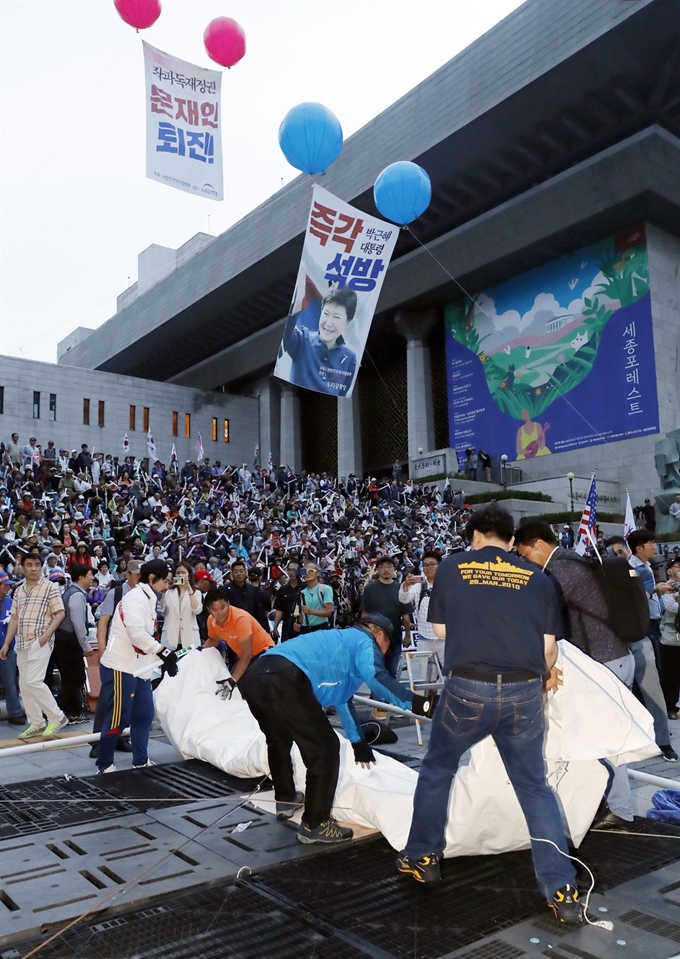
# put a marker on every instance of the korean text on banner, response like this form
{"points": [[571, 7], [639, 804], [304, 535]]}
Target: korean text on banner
{"points": [[183, 142], [344, 260]]}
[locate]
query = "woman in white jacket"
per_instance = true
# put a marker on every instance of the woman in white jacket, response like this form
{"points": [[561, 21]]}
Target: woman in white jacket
{"points": [[183, 603]]}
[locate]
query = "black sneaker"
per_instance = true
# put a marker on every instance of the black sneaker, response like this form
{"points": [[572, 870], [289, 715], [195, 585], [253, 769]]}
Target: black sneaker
{"points": [[327, 832], [284, 810], [669, 754], [567, 906], [94, 750], [425, 869]]}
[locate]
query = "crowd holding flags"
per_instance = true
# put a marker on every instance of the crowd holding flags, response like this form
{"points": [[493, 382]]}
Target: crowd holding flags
{"points": [[585, 534]]}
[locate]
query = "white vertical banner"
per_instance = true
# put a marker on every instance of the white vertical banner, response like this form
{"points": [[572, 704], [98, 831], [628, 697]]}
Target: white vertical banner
{"points": [[344, 261], [183, 113]]}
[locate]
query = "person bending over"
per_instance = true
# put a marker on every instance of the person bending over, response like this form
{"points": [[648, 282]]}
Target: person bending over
{"points": [[234, 632], [287, 690]]}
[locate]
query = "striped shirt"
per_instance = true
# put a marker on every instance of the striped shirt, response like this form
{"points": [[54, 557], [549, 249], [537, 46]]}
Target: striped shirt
{"points": [[35, 609]]}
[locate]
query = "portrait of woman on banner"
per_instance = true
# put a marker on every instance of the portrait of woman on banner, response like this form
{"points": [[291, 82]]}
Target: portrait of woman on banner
{"points": [[314, 353]]}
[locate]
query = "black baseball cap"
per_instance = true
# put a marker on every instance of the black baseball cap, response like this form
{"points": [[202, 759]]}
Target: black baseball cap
{"points": [[382, 622]]}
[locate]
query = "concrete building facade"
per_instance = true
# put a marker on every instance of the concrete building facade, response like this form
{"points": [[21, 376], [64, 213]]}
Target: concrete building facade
{"points": [[74, 406]]}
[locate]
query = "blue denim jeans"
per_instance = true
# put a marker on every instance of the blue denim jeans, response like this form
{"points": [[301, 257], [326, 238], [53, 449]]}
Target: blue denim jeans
{"points": [[647, 678], [9, 674], [512, 713]]}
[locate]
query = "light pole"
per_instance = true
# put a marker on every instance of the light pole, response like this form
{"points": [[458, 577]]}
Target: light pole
{"points": [[570, 477], [504, 460]]}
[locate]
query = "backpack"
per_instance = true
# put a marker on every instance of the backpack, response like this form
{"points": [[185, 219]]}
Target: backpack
{"points": [[627, 605], [117, 596]]}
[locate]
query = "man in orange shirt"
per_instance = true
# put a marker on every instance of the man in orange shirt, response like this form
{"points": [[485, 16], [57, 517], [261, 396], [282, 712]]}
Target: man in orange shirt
{"points": [[238, 629]]}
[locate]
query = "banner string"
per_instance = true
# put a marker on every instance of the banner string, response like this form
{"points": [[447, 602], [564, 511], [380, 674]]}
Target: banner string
{"points": [[563, 396], [384, 382]]}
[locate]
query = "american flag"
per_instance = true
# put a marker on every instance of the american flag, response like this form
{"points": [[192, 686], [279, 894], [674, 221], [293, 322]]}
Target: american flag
{"points": [[588, 520], [199, 448]]}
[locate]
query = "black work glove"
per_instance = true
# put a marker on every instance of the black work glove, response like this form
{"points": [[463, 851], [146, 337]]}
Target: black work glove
{"points": [[226, 688], [169, 657], [425, 705], [363, 752]]}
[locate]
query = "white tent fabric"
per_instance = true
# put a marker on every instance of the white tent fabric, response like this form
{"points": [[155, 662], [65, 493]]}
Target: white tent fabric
{"points": [[591, 716]]}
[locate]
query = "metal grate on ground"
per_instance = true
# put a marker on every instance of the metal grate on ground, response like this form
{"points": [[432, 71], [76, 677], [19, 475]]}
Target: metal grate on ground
{"points": [[350, 902], [229, 922], [164, 785], [44, 805], [39, 806], [358, 888], [617, 857]]}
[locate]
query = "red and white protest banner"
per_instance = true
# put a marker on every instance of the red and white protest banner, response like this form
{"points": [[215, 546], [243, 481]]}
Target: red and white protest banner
{"points": [[183, 141]]}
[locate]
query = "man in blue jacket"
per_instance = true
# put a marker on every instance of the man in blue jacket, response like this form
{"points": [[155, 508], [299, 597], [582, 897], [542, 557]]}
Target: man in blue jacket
{"points": [[287, 690]]}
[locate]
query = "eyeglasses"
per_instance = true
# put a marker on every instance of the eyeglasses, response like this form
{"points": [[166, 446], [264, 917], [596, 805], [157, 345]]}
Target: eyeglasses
{"points": [[429, 565]]}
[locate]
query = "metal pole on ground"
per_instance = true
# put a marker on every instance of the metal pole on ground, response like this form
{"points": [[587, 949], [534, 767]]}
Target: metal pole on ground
{"points": [[54, 744]]}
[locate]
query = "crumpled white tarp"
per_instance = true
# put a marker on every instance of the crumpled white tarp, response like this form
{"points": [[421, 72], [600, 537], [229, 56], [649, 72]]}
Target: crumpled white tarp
{"points": [[591, 716]]}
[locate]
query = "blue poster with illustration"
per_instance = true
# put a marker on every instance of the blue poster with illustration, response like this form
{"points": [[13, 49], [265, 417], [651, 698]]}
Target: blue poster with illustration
{"points": [[558, 358]]}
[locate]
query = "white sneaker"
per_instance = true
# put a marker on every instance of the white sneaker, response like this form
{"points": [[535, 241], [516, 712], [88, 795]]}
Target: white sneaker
{"points": [[109, 769], [144, 765]]}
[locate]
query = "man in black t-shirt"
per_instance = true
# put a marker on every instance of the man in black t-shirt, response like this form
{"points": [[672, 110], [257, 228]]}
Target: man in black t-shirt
{"points": [[500, 616], [381, 595], [285, 603], [244, 595]]}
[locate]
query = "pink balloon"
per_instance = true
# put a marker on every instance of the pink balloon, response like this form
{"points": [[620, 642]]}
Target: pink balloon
{"points": [[225, 41], [138, 13]]}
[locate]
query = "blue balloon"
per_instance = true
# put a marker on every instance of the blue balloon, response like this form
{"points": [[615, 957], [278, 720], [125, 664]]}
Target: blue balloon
{"points": [[310, 137], [402, 192]]}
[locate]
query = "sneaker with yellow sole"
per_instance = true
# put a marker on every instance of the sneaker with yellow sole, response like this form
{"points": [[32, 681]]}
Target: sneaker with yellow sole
{"points": [[53, 728], [30, 732]]}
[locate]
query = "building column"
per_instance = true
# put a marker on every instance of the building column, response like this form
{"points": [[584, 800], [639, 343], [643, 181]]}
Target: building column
{"points": [[291, 428], [416, 328], [269, 433], [349, 434]]}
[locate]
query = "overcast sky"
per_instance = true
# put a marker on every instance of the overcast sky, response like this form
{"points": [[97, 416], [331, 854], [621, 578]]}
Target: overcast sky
{"points": [[76, 206]]}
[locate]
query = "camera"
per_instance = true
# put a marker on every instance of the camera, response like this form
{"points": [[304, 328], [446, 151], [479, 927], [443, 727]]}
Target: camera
{"points": [[179, 580]]}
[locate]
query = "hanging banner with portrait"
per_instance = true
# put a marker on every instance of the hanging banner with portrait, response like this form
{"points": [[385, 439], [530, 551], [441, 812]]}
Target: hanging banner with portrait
{"points": [[344, 261]]}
